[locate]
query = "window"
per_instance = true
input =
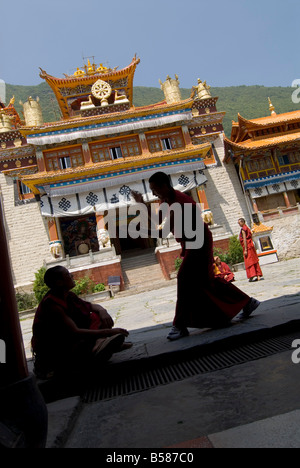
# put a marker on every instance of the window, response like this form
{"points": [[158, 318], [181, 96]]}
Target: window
{"points": [[259, 164], [65, 162], [283, 160], [116, 152], [166, 144], [164, 141], [61, 159], [24, 190], [105, 151]]}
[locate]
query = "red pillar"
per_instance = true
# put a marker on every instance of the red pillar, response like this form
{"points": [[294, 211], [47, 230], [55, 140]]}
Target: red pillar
{"points": [[286, 199], [15, 367]]}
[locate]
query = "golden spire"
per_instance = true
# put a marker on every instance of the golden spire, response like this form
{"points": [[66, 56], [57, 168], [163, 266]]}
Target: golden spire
{"points": [[271, 107]]}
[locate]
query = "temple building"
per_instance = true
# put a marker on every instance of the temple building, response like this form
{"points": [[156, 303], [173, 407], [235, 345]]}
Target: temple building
{"points": [[266, 154], [63, 182]]}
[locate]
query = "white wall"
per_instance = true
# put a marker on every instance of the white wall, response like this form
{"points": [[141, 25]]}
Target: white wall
{"points": [[26, 234]]}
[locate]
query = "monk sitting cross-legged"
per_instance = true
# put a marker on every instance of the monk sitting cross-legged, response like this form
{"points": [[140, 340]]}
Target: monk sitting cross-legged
{"points": [[69, 333]]}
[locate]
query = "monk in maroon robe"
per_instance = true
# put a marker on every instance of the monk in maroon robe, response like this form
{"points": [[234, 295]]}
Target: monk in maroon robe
{"points": [[222, 270], [251, 260], [70, 334], [203, 301]]}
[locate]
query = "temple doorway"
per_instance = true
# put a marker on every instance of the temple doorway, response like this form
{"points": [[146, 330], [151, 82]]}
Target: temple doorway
{"points": [[79, 235], [129, 246]]}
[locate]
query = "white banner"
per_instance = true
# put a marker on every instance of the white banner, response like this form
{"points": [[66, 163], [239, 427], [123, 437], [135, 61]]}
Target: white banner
{"points": [[258, 192], [276, 188], [108, 198]]}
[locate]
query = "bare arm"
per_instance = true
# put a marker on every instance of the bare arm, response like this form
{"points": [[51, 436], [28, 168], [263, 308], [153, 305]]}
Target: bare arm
{"points": [[245, 244], [85, 332], [106, 319]]}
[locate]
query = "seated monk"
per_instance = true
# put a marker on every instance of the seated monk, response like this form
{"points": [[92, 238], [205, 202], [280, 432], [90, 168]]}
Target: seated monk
{"points": [[222, 270], [70, 334]]}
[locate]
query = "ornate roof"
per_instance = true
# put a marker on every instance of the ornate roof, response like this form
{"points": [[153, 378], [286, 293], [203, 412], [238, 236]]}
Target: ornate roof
{"points": [[12, 113], [251, 135], [261, 228], [80, 84], [251, 145], [274, 119]]}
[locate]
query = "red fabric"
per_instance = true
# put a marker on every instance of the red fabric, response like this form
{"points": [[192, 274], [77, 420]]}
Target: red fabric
{"points": [[204, 301], [251, 261], [224, 270], [95, 321]]}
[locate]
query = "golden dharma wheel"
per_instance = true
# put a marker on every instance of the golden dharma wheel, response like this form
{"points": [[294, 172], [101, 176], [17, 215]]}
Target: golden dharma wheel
{"points": [[101, 90]]}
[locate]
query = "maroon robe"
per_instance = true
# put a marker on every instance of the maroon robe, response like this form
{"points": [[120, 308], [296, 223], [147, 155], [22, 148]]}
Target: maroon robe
{"points": [[251, 261], [203, 301], [53, 346], [224, 270]]}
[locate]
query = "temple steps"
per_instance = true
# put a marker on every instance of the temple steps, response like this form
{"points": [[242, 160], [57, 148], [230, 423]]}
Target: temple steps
{"points": [[140, 271]]}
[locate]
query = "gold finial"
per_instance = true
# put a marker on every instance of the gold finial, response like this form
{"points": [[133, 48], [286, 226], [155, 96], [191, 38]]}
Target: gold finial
{"points": [[271, 107], [79, 72]]}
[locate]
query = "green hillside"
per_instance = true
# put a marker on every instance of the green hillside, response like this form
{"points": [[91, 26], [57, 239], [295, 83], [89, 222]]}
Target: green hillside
{"points": [[249, 101]]}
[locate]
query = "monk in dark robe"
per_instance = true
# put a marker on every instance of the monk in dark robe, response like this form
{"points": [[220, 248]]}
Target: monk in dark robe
{"points": [[70, 334], [203, 301]]}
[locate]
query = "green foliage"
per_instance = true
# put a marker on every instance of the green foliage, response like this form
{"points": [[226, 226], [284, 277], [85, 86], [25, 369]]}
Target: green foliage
{"points": [[99, 287], [86, 285], [25, 301], [178, 262], [50, 109], [39, 287], [83, 286], [233, 255], [235, 250]]}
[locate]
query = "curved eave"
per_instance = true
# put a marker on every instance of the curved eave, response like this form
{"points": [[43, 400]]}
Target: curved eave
{"points": [[32, 181], [263, 122], [256, 145]]}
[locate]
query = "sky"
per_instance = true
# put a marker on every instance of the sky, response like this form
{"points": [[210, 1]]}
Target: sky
{"points": [[225, 42]]}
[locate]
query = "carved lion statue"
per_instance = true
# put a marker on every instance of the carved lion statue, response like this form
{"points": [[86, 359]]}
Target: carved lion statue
{"points": [[207, 217], [103, 238]]}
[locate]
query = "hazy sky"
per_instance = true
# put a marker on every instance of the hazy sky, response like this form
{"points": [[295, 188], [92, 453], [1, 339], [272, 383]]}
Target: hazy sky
{"points": [[225, 42]]}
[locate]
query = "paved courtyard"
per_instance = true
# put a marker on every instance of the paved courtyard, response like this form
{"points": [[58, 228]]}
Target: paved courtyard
{"points": [[156, 307]]}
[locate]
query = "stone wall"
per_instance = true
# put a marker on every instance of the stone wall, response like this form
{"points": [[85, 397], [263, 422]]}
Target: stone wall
{"points": [[224, 193], [286, 235], [26, 234], [100, 273]]}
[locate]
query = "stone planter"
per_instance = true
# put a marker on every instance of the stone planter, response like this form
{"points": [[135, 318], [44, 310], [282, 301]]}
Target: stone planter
{"points": [[238, 266], [97, 296]]}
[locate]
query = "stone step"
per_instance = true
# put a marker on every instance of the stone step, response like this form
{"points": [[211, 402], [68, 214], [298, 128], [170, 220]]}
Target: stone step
{"points": [[143, 274], [141, 269], [139, 261]]}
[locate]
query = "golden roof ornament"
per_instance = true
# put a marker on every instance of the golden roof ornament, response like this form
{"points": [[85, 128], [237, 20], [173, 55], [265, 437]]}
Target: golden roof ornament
{"points": [[92, 69], [171, 89], [203, 90], [271, 107]]}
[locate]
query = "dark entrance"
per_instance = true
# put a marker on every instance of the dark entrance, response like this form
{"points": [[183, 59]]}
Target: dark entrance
{"points": [[79, 235]]}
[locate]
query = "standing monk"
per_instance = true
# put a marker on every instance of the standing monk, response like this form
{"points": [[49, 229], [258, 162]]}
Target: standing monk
{"points": [[253, 269], [203, 301]]}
